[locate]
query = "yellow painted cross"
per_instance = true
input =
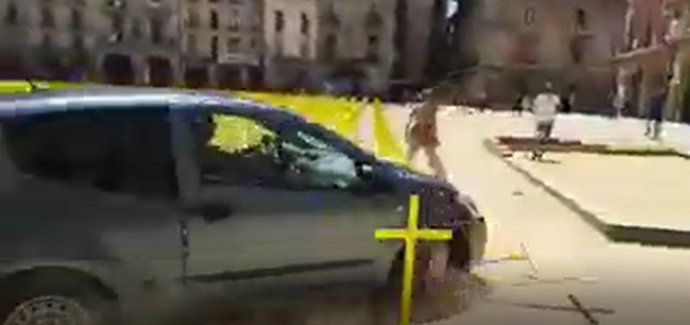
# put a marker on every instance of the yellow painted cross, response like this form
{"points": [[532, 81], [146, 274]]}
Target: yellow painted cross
{"points": [[411, 235]]}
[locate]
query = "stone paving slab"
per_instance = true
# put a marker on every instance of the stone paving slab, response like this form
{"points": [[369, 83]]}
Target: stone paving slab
{"points": [[628, 198]]}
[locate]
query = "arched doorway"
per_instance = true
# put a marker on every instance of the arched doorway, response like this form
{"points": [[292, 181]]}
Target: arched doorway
{"points": [[13, 66], [196, 77], [230, 76], [349, 79], [160, 71], [118, 69]]}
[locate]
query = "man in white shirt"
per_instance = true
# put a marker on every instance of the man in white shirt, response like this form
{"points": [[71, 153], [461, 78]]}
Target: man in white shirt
{"points": [[545, 107]]}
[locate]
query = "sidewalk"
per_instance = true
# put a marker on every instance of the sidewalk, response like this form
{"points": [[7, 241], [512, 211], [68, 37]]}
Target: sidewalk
{"points": [[627, 198]]}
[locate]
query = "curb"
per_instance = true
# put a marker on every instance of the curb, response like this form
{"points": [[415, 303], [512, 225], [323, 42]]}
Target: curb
{"points": [[617, 233]]}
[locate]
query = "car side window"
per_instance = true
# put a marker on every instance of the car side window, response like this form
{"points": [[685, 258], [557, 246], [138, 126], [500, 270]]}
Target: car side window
{"points": [[237, 150], [116, 150]]}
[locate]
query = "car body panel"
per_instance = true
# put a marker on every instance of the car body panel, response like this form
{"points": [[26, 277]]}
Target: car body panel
{"points": [[274, 238]]}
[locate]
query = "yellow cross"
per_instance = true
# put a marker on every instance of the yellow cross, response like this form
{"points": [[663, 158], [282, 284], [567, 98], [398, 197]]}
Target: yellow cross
{"points": [[411, 235]]}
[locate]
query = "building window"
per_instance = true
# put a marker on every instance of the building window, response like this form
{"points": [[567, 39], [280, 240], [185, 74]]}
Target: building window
{"points": [[191, 43], [214, 19], [233, 44], [331, 47], [11, 14], [76, 20], [374, 20], [256, 24], [47, 18], [581, 19], [156, 30], [234, 20], [78, 43], [252, 43], [136, 28], [304, 24], [331, 18], [46, 41], [372, 54], [304, 48], [127, 151], [214, 47], [193, 19], [529, 16], [117, 24], [279, 21]]}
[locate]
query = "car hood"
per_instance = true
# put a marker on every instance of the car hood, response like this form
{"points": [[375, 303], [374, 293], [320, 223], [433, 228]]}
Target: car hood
{"points": [[408, 180]]}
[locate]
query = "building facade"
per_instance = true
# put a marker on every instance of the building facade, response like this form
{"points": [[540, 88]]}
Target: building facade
{"points": [[45, 39], [115, 41], [340, 46], [136, 41], [655, 53], [507, 47], [418, 39], [223, 43]]}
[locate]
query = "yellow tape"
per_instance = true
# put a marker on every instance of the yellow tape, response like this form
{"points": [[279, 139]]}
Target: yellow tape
{"points": [[385, 144]]}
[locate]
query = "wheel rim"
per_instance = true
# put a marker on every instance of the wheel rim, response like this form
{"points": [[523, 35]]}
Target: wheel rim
{"points": [[48, 310]]}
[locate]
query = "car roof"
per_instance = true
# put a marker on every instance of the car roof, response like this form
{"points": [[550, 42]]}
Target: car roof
{"points": [[116, 97]]}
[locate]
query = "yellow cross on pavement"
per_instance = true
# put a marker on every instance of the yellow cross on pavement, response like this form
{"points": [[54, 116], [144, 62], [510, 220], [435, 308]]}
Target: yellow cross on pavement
{"points": [[411, 235]]}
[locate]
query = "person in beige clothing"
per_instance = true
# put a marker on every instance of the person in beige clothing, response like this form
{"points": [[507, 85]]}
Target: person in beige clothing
{"points": [[422, 133]]}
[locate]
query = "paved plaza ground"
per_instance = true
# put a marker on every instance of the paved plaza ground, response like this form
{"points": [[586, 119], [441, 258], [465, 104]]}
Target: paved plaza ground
{"points": [[638, 284]]}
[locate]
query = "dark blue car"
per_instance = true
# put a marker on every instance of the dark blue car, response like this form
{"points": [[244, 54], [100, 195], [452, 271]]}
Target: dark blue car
{"points": [[115, 197]]}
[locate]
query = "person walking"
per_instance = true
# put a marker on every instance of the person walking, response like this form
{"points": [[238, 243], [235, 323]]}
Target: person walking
{"points": [[545, 108], [656, 113], [422, 133], [522, 103]]}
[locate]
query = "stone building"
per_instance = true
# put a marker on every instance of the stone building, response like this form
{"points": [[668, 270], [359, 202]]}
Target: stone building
{"points": [[341, 46], [44, 38], [418, 38], [504, 47], [115, 41], [137, 41], [655, 53], [223, 43]]}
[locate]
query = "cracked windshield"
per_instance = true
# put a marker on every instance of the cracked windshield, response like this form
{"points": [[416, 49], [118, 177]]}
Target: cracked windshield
{"points": [[344, 162]]}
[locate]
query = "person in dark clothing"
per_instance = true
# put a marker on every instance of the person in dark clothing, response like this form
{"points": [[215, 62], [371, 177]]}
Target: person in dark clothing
{"points": [[656, 113], [518, 105], [566, 105]]}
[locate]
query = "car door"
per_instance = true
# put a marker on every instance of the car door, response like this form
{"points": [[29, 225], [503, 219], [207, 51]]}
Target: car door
{"points": [[309, 219], [99, 188]]}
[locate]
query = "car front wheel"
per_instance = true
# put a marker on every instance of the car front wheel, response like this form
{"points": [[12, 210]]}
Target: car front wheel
{"points": [[435, 286], [51, 302]]}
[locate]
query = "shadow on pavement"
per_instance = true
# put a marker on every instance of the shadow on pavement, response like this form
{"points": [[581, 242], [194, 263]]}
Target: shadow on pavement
{"points": [[343, 304]]}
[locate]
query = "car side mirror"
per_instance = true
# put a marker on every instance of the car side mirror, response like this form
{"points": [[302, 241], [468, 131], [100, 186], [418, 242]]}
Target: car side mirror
{"points": [[365, 171], [371, 182]]}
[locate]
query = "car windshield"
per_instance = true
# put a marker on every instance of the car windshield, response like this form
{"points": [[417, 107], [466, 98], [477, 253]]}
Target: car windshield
{"points": [[335, 140]]}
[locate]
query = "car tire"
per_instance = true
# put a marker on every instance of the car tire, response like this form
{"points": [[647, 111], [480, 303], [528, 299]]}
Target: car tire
{"points": [[434, 298], [32, 300]]}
